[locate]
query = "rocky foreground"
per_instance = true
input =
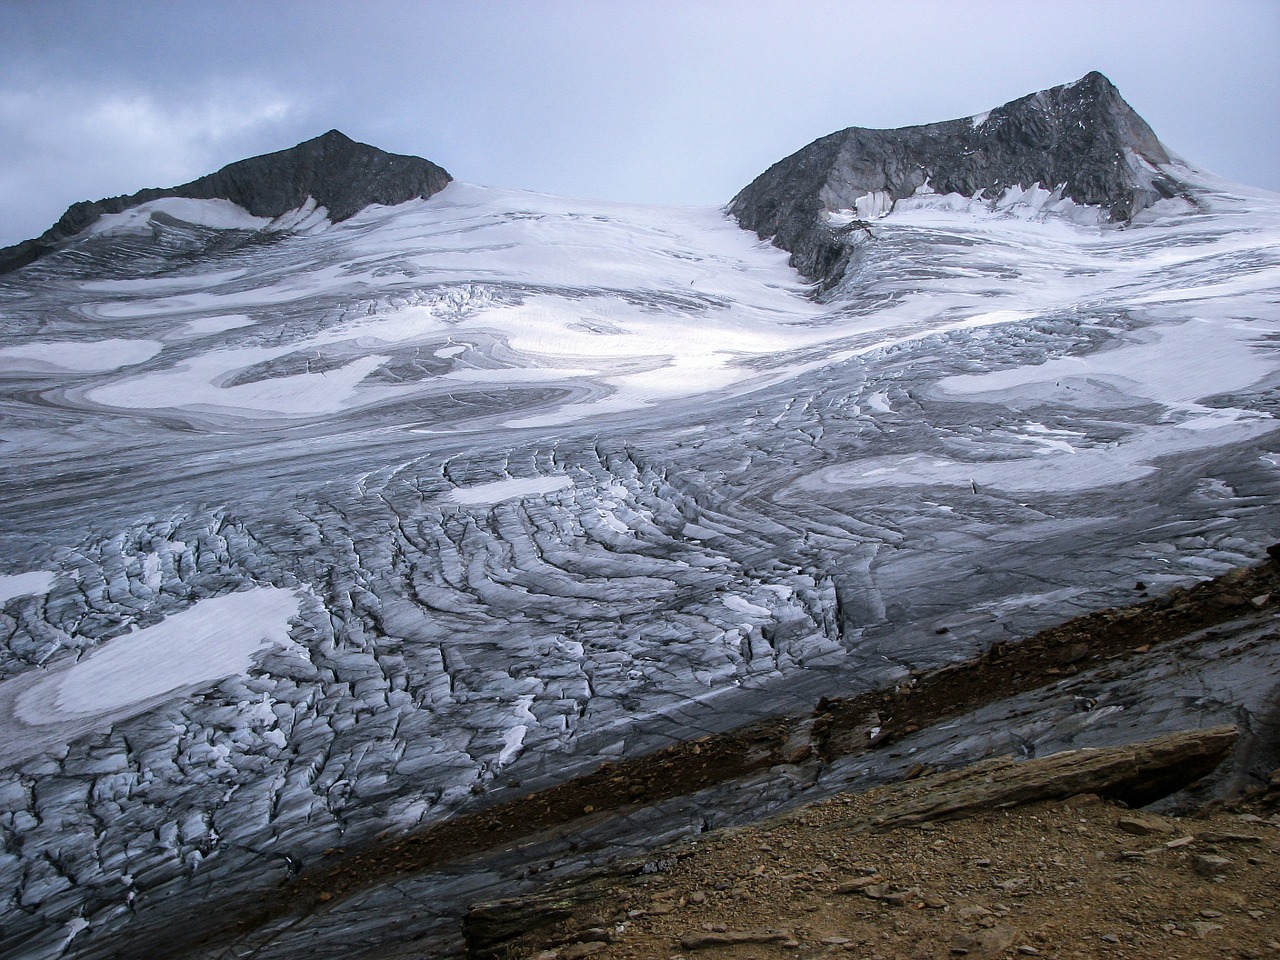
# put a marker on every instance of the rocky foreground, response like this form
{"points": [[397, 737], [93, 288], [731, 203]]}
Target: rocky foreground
{"points": [[1076, 877], [1041, 857]]}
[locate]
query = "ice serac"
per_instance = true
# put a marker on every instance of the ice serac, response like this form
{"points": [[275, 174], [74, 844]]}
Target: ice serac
{"points": [[338, 173], [1082, 137]]}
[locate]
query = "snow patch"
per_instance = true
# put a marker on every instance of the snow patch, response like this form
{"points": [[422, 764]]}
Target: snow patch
{"points": [[34, 583], [741, 605], [512, 743], [501, 490], [1175, 366], [217, 214], [197, 383], [74, 356], [310, 218], [513, 738], [206, 326], [1053, 470], [214, 639]]}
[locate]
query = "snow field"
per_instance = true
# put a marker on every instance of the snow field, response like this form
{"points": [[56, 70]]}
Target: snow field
{"points": [[217, 637]]}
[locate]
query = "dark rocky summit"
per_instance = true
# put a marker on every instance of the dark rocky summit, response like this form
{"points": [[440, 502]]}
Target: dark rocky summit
{"points": [[337, 172], [1081, 136]]}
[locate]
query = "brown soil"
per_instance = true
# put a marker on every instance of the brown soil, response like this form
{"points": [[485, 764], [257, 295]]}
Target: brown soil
{"points": [[1063, 879]]}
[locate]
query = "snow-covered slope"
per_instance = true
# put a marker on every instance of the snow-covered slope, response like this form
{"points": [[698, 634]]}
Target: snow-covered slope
{"points": [[310, 535]]}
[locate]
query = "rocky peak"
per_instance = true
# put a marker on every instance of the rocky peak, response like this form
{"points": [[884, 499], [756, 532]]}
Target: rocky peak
{"points": [[1080, 136], [340, 174]]}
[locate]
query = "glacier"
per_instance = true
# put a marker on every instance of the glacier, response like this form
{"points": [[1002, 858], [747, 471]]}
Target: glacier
{"points": [[313, 537]]}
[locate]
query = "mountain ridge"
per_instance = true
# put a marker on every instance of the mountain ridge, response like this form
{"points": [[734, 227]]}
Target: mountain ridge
{"points": [[1081, 137], [340, 174]]}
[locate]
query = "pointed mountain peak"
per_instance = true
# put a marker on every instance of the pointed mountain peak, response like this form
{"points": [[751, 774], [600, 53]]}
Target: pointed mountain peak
{"points": [[1094, 106], [340, 174], [1081, 137], [1096, 85], [1096, 79], [329, 140]]}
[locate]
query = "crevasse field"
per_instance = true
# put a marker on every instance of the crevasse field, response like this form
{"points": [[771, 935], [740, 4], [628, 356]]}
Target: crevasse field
{"points": [[322, 531]]}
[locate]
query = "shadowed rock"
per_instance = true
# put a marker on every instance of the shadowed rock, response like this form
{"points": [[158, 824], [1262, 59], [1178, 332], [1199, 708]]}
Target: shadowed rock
{"points": [[1138, 774], [1081, 136], [341, 175]]}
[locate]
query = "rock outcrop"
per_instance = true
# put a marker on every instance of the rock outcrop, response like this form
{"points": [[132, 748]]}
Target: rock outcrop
{"points": [[338, 173], [1140, 772], [1082, 137], [1137, 774]]}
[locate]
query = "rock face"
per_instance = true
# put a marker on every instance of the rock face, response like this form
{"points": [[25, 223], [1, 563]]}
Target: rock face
{"points": [[1137, 774], [1081, 137], [1138, 771], [338, 173]]}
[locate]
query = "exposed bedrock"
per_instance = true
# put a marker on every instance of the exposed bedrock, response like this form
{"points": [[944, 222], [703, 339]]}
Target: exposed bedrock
{"points": [[338, 173], [1081, 136]]}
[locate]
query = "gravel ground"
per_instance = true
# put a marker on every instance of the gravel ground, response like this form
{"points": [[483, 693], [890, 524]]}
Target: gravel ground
{"points": [[1080, 878]]}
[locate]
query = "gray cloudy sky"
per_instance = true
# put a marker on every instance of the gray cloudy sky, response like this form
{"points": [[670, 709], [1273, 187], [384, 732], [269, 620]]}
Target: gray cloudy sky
{"points": [[669, 102]]}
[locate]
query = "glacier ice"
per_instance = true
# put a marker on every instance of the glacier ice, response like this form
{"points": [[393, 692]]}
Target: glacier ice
{"points": [[510, 484]]}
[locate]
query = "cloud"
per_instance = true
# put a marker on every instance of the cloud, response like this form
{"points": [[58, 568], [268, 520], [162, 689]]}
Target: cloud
{"points": [[63, 143]]}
